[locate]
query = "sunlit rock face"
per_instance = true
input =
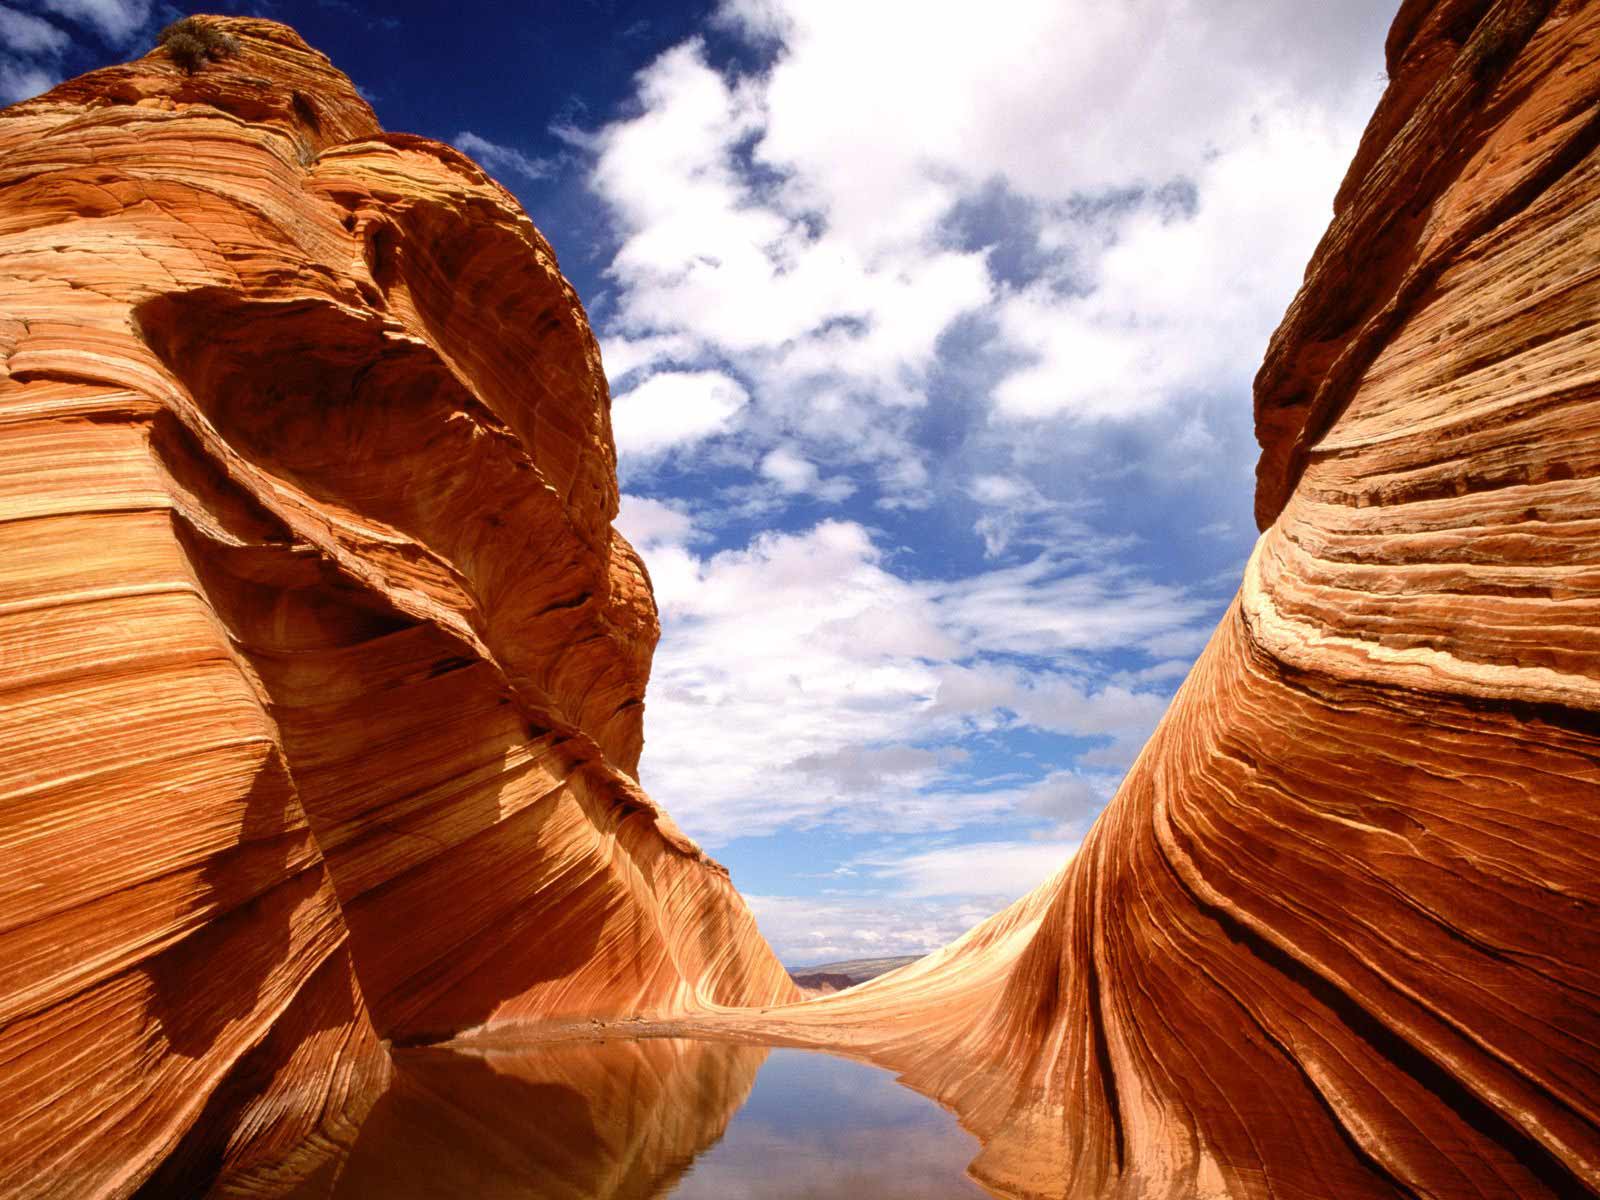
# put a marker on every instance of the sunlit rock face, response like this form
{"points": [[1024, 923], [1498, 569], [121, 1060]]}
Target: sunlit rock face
{"points": [[1338, 935], [321, 666]]}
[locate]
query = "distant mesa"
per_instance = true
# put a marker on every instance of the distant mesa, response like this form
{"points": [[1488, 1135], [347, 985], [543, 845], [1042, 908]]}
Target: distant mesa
{"points": [[827, 978]]}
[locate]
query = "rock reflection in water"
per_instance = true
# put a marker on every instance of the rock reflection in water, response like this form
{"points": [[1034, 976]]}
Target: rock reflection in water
{"points": [[638, 1120], [619, 1120]]}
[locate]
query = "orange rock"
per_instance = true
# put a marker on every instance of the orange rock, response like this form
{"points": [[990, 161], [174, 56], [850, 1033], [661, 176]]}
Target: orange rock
{"points": [[321, 666], [323, 675]]}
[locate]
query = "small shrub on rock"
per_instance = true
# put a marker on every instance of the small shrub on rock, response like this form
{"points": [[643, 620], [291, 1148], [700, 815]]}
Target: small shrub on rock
{"points": [[192, 43]]}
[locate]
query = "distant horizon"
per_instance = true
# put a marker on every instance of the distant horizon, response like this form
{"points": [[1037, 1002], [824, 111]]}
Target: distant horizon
{"points": [[930, 346], [851, 962]]}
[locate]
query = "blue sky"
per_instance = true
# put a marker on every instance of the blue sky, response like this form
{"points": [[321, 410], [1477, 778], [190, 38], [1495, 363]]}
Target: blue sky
{"points": [[930, 331]]}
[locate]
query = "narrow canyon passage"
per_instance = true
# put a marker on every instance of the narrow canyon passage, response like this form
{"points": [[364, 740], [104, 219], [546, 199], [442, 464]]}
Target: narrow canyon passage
{"points": [[324, 859]]}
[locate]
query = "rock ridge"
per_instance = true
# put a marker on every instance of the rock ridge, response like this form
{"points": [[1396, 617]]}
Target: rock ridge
{"points": [[322, 668]]}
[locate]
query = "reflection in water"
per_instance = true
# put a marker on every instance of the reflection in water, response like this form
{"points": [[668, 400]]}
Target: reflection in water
{"points": [[640, 1120], [823, 1128]]}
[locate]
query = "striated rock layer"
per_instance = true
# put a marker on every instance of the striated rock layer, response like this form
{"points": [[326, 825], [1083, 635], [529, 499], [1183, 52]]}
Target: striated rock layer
{"points": [[321, 681], [321, 666], [1338, 935]]}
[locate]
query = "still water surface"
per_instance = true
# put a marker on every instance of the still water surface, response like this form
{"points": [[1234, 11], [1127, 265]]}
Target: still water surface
{"points": [[638, 1120]]}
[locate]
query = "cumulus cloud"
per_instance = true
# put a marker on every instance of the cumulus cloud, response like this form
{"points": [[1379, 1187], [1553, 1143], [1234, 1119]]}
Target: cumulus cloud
{"points": [[710, 262], [501, 159], [652, 524], [674, 409], [1183, 299], [1167, 165], [795, 475]]}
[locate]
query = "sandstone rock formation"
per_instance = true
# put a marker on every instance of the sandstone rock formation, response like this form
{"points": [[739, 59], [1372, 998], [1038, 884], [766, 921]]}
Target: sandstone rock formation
{"points": [[321, 667], [1338, 935], [321, 679]]}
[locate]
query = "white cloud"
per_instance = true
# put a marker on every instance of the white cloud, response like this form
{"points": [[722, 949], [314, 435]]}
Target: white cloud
{"points": [[117, 21], [1017, 276], [789, 471], [674, 409], [799, 645], [622, 355], [795, 475], [1052, 701], [825, 328], [23, 33], [1182, 301], [801, 682], [30, 63], [1061, 97], [807, 931], [803, 226], [652, 525], [501, 159], [22, 81], [1054, 604], [1172, 668], [999, 871], [1070, 800]]}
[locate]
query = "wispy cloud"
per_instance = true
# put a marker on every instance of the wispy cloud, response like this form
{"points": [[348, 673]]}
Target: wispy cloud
{"points": [[503, 160], [30, 61], [998, 871], [806, 931], [118, 22], [843, 694], [34, 49]]}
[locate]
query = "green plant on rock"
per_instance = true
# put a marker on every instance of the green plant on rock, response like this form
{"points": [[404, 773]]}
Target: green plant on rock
{"points": [[192, 43]]}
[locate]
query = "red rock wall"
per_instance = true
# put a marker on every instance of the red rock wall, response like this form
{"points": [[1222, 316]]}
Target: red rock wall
{"points": [[321, 667]]}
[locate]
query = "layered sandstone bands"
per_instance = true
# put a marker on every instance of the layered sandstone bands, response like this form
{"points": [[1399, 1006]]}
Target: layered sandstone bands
{"points": [[321, 667], [1339, 932], [321, 675]]}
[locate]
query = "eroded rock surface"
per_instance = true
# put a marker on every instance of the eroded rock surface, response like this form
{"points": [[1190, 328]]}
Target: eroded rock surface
{"points": [[321, 679], [321, 666]]}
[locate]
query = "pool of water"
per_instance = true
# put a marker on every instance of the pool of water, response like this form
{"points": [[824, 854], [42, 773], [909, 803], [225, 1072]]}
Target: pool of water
{"points": [[637, 1120], [816, 1126]]}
